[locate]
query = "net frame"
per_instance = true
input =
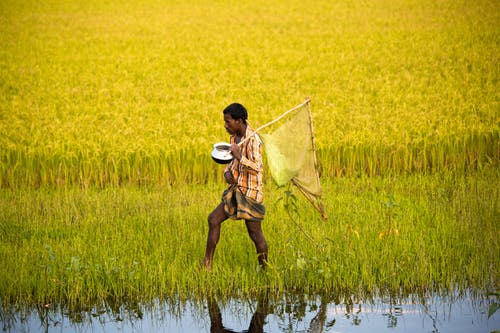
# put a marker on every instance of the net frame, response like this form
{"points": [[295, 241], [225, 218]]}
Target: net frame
{"points": [[314, 200]]}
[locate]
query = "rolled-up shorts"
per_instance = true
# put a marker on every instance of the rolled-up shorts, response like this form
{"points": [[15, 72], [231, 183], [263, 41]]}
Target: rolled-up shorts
{"points": [[239, 207]]}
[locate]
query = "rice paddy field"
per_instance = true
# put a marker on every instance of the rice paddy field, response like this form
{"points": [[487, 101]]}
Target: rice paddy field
{"points": [[109, 110]]}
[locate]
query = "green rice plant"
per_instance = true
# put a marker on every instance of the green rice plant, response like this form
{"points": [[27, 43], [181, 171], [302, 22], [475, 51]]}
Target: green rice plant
{"points": [[400, 234]]}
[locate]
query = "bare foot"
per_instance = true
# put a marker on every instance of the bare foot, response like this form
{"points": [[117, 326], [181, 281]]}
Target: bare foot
{"points": [[206, 265]]}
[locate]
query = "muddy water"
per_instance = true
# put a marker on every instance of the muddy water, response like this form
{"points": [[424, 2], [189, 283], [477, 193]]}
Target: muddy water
{"points": [[292, 313]]}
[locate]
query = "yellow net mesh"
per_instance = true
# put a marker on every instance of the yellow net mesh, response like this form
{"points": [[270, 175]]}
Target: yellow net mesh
{"points": [[289, 146]]}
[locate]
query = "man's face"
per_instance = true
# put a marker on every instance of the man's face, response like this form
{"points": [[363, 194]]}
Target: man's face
{"points": [[231, 125]]}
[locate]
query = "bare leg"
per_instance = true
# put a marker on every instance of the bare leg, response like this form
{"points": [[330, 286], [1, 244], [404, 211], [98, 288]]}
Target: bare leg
{"points": [[259, 317], [215, 219], [215, 316], [255, 232]]}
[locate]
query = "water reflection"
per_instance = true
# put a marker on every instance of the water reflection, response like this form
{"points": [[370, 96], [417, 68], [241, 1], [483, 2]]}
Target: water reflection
{"points": [[256, 323], [289, 313]]}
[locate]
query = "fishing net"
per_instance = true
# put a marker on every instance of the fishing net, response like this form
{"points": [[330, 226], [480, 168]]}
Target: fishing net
{"points": [[291, 156]]}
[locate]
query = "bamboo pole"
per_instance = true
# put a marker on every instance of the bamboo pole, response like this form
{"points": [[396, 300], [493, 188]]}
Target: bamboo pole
{"points": [[275, 120], [319, 206]]}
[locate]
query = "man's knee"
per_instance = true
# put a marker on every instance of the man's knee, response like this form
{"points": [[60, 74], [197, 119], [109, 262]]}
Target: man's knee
{"points": [[212, 220], [216, 217]]}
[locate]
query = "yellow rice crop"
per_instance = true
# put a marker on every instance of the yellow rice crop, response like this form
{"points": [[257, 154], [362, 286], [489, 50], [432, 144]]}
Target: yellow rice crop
{"points": [[97, 93]]}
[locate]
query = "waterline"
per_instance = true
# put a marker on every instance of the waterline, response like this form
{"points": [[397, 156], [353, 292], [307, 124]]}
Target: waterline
{"points": [[290, 313]]}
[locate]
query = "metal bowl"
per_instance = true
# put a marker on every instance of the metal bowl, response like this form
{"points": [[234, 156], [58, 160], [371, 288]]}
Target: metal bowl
{"points": [[221, 154]]}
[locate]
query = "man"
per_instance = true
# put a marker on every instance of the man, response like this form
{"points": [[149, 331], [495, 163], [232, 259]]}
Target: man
{"points": [[244, 196], [256, 323]]}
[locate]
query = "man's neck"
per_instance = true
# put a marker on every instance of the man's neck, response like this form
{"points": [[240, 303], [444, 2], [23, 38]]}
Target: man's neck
{"points": [[242, 131]]}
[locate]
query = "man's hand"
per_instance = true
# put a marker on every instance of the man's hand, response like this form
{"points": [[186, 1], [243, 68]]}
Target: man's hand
{"points": [[229, 177], [235, 150]]}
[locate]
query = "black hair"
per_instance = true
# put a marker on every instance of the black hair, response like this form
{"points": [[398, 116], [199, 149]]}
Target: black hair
{"points": [[237, 111]]}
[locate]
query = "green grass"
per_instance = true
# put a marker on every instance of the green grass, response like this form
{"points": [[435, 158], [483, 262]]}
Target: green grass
{"points": [[109, 110], [404, 234]]}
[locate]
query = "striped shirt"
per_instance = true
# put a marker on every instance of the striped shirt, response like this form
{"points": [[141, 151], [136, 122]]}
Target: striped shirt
{"points": [[248, 171]]}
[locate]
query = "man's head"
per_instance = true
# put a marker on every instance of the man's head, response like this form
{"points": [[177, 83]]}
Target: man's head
{"points": [[235, 118], [236, 111]]}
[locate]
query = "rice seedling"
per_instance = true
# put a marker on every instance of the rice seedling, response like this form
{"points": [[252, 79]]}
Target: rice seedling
{"points": [[399, 235]]}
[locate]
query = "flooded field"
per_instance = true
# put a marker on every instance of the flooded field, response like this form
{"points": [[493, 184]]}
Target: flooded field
{"points": [[109, 111], [456, 313]]}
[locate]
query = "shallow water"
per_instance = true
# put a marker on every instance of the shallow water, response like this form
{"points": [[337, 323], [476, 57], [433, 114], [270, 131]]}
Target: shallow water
{"points": [[289, 314]]}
